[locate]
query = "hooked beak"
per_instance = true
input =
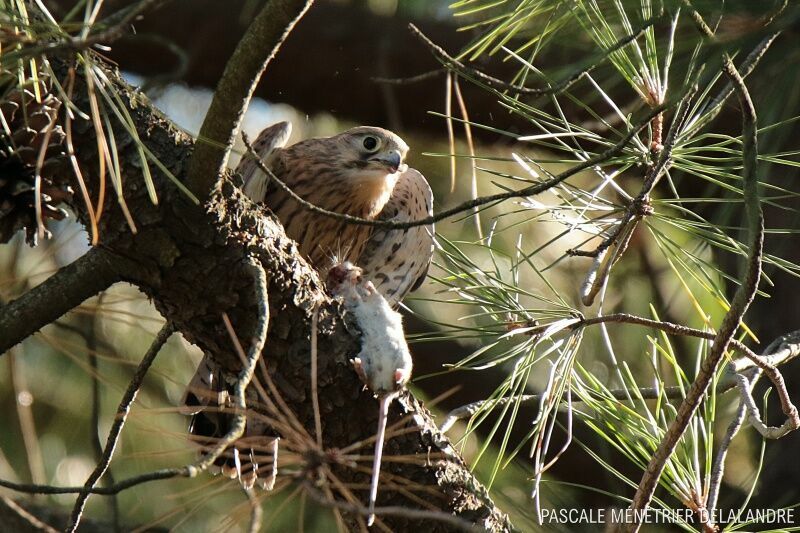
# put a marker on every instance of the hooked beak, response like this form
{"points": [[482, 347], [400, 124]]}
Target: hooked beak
{"points": [[392, 161]]}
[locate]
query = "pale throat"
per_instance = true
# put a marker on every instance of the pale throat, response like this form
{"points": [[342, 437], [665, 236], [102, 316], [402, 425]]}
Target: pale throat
{"points": [[372, 190]]}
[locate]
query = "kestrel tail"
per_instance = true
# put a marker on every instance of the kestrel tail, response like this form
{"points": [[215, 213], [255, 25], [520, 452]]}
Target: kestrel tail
{"points": [[360, 172]]}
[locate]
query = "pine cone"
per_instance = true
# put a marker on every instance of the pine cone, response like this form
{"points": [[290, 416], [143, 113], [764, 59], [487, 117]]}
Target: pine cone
{"points": [[24, 127]]}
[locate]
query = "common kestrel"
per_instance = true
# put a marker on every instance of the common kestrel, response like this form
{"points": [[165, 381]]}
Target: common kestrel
{"points": [[360, 172]]}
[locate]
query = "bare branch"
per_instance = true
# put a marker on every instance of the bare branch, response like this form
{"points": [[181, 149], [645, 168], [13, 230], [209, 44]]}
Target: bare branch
{"points": [[164, 473], [119, 423], [411, 79], [66, 289], [669, 327], [791, 423], [718, 469]]}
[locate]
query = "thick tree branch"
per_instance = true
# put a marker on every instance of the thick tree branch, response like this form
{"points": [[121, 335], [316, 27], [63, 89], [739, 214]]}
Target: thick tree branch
{"points": [[180, 248], [257, 48], [62, 292]]}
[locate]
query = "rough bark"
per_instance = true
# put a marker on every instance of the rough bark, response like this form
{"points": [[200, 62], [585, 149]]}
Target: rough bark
{"points": [[190, 261]]}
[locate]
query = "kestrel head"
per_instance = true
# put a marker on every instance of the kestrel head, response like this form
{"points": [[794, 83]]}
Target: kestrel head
{"points": [[353, 172], [372, 152]]}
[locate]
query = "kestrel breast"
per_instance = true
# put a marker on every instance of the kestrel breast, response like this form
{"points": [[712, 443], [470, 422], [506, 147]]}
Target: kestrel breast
{"points": [[322, 240], [397, 260]]}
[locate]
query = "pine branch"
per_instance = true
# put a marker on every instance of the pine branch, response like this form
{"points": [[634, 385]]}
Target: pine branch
{"points": [[741, 300]]}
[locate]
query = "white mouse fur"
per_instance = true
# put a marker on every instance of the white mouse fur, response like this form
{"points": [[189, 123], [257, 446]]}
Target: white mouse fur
{"points": [[384, 362]]}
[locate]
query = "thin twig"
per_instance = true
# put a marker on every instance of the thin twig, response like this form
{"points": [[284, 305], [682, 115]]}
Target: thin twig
{"points": [[718, 467], [668, 327], [791, 423], [249, 363], [164, 473], [410, 79], [532, 190], [116, 429], [498, 84]]}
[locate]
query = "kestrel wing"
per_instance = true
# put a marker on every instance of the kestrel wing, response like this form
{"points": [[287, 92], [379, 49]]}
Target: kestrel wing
{"points": [[267, 145], [397, 261]]}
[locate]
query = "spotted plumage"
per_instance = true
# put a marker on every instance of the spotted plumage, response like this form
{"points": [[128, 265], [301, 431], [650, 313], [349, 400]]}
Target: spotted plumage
{"points": [[396, 261], [353, 173], [359, 172]]}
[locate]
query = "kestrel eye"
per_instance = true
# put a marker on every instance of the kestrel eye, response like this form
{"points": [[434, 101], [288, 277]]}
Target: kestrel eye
{"points": [[370, 143]]}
